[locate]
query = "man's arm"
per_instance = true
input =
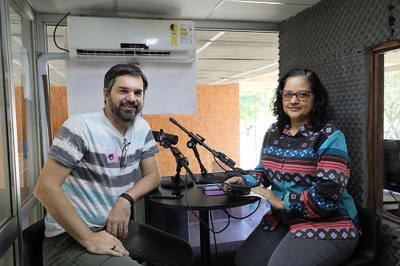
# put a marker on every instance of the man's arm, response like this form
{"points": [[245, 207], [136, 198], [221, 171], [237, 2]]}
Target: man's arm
{"points": [[150, 178], [118, 219], [49, 193]]}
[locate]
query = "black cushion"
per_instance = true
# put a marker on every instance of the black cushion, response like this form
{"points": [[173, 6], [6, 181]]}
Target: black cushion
{"points": [[33, 237], [368, 246]]}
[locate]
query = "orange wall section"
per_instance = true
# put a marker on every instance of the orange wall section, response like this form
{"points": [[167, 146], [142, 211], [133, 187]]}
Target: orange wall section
{"points": [[58, 107], [217, 120]]}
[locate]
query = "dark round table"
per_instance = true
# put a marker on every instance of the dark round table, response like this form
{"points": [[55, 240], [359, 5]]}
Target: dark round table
{"points": [[195, 199]]}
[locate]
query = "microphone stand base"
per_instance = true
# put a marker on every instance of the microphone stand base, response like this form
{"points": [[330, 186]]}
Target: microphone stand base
{"points": [[171, 182], [213, 178]]}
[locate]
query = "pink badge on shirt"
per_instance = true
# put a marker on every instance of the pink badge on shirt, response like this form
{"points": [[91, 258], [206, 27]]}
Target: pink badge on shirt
{"points": [[112, 155]]}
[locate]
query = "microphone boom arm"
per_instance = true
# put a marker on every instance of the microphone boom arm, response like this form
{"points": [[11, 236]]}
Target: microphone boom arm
{"points": [[200, 140]]}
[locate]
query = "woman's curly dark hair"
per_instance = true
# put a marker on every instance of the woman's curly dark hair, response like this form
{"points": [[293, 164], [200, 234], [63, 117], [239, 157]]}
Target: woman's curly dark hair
{"points": [[322, 111]]}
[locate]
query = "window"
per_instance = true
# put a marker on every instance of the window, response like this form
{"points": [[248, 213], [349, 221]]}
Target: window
{"points": [[24, 96], [5, 189], [18, 134], [384, 142], [57, 79]]}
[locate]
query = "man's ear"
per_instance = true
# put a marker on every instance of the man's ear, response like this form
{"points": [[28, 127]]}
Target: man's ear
{"points": [[105, 96], [105, 93]]}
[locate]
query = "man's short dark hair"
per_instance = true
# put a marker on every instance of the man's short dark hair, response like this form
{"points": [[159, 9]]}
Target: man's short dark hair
{"points": [[122, 70]]}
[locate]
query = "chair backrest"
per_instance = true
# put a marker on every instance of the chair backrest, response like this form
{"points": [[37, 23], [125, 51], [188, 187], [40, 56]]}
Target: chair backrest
{"points": [[369, 243], [33, 237]]}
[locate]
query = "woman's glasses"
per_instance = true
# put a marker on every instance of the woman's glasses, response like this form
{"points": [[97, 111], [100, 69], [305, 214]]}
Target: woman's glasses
{"points": [[124, 158], [300, 95]]}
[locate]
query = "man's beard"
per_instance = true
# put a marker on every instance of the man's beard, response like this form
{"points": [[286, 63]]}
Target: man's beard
{"points": [[125, 115]]}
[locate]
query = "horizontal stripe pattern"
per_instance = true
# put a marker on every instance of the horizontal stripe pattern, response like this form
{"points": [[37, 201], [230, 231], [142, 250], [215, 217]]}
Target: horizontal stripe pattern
{"points": [[91, 146], [323, 225], [310, 172]]}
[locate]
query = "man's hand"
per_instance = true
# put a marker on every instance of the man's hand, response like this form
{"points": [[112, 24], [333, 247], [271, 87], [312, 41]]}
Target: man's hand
{"points": [[104, 243], [119, 218]]}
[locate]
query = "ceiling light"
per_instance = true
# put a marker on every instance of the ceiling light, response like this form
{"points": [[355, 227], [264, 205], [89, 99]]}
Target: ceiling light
{"points": [[254, 70], [220, 81], [219, 34], [255, 2], [203, 47], [216, 36]]}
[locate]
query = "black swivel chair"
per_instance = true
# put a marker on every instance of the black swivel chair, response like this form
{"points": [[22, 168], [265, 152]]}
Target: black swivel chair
{"points": [[33, 237], [368, 246]]}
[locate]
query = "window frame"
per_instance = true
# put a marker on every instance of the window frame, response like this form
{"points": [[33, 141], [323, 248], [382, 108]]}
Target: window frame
{"points": [[375, 130]]}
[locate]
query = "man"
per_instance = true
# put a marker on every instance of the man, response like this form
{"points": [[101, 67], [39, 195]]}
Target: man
{"points": [[89, 184]]}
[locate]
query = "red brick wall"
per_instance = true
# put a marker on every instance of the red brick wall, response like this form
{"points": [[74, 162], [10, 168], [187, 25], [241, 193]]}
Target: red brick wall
{"points": [[217, 120]]}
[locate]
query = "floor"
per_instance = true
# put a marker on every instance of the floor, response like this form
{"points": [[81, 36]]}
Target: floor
{"points": [[224, 259]]}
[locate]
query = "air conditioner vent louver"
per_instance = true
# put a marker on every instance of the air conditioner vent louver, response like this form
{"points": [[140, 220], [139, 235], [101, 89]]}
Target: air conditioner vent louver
{"points": [[115, 53]]}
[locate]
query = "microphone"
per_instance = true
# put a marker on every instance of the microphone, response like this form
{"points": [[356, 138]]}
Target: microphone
{"points": [[162, 137], [237, 172]]}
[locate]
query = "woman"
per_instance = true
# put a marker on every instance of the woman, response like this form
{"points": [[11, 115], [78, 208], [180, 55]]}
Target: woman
{"points": [[303, 173]]}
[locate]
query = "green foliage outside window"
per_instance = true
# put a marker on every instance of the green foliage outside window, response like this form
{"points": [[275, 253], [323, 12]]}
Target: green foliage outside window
{"points": [[392, 105], [255, 107]]}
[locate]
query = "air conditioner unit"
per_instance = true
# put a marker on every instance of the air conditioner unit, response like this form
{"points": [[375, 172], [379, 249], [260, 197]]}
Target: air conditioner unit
{"points": [[130, 39]]}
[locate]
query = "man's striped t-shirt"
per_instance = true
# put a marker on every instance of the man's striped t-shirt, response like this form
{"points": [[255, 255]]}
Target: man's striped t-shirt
{"points": [[93, 148]]}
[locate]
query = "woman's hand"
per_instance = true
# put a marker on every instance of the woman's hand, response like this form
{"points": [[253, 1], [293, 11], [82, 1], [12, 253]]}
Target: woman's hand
{"points": [[273, 200], [236, 180]]}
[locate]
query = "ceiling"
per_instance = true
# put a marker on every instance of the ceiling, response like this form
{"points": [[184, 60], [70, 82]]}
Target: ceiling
{"points": [[222, 10], [227, 53]]}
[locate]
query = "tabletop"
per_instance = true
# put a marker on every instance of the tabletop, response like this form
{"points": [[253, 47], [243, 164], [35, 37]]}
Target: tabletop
{"points": [[197, 200]]}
